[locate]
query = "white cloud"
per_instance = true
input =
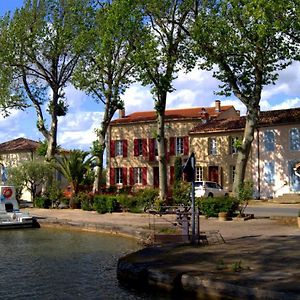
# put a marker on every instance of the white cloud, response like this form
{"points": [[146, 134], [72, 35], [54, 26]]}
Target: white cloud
{"points": [[78, 129], [137, 98], [75, 98]]}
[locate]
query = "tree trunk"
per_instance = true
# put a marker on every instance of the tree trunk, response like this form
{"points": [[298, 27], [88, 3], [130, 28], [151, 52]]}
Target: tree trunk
{"points": [[244, 152], [108, 114], [162, 163], [98, 172]]}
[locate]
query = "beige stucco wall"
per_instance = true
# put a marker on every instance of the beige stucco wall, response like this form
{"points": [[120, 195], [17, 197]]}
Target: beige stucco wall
{"points": [[281, 156], [224, 159], [146, 130]]}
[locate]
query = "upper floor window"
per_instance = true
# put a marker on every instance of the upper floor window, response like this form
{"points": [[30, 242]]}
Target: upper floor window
{"points": [[269, 172], [212, 148], [119, 175], [269, 140], [119, 148], [137, 175], [138, 147], [294, 139], [234, 145], [199, 173], [179, 145]]}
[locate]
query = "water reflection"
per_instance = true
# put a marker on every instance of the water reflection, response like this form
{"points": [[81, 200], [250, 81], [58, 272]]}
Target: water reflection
{"points": [[60, 264]]}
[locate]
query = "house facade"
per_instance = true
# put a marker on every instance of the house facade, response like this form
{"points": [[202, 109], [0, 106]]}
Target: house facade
{"points": [[132, 156], [16, 151], [274, 155]]}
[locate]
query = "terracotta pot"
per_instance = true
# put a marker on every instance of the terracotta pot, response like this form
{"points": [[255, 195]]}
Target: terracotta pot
{"points": [[223, 216]]}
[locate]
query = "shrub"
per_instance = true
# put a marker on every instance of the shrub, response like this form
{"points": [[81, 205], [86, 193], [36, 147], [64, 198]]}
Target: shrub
{"points": [[42, 202], [83, 200], [145, 198], [181, 193], [105, 203], [129, 203], [245, 193], [210, 207]]}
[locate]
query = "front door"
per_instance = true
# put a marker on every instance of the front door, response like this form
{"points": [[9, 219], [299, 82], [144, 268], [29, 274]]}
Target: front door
{"points": [[213, 173], [155, 177]]}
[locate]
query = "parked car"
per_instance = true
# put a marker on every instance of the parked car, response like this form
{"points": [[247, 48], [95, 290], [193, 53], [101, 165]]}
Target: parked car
{"points": [[209, 189]]}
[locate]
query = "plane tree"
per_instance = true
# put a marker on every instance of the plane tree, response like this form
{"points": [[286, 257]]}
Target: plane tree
{"points": [[37, 60], [245, 40], [160, 52], [106, 67]]}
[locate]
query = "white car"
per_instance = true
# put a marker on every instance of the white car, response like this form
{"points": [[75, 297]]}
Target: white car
{"points": [[209, 189]]}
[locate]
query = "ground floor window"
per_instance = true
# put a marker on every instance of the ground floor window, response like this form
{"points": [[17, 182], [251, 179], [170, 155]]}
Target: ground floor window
{"points": [[199, 173], [269, 172], [137, 175], [119, 175]]}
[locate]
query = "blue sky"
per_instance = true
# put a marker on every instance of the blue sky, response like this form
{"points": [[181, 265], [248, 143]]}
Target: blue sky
{"points": [[76, 130]]}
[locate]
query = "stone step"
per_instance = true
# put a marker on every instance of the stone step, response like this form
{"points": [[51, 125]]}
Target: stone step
{"points": [[287, 198]]}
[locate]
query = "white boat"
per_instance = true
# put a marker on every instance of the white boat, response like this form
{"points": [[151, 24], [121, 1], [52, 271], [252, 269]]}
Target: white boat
{"points": [[10, 214]]}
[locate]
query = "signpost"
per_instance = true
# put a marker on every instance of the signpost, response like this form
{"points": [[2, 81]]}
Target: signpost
{"points": [[189, 170]]}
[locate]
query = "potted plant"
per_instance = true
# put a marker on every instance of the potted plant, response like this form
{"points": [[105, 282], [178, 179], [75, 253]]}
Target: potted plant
{"points": [[299, 218]]}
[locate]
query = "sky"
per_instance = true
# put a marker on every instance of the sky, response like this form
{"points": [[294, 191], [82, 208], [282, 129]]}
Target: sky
{"points": [[195, 89]]}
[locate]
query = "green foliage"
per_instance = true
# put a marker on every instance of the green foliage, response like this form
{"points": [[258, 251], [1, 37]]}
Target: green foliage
{"points": [[177, 169], [245, 191], [181, 193], [54, 193], [74, 166], [210, 207], [42, 202], [42, 148], [105, 203], [145, 198], [83, 200], [38, 62], [244, 194], [31, 175], [248, 43]]}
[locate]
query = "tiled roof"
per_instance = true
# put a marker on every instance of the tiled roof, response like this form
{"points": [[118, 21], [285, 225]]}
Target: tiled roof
{"points": [[187, 113], [20, 144], [266, 118]]}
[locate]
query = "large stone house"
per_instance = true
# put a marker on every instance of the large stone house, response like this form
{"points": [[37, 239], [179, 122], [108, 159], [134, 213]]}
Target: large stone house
{"points": [[212, 134], [132, 151], [274, 156]]}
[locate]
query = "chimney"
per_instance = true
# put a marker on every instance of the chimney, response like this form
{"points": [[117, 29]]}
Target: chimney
{"points": [[217, 105], [122, 113]]}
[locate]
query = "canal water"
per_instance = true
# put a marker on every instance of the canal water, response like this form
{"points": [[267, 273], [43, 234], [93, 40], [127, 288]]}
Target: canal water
{"points": [[60, 264]]}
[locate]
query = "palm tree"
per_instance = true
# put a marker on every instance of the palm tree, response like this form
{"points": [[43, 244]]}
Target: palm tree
{"points": [[73, 166]]}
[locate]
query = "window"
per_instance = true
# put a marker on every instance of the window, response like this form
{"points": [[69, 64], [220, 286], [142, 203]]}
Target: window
{"points": [[232, 173], [269, 172], [119, 148], [233, 145], [294, 139], [269, 140], [199, 173], [212, 150], [155, 147], [179, 145], [119, 175], [137, 175], [140, 147]]}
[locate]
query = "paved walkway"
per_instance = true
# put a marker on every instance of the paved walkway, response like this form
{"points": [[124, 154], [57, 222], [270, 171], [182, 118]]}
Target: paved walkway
{"points": [[260, 259]]}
